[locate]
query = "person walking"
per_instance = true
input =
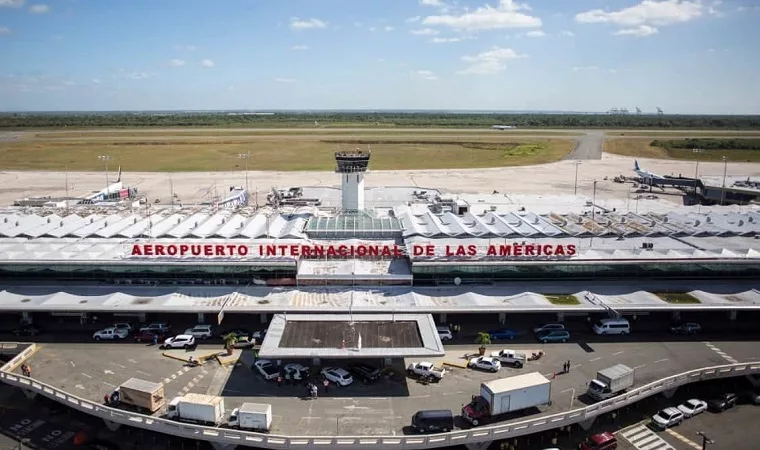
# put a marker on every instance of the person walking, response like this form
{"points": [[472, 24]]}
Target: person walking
{"points": [[326, 384], [155, 339], [279, 381], [568, 366]]}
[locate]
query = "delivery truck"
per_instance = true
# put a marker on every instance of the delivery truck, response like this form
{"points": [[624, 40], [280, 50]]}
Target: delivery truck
{"points": [[251, 416], [611, 381], [507, 395], [145, 396], [198, 408]]}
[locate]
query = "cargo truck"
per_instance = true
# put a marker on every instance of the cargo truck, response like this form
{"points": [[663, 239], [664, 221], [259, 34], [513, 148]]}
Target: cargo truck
{"points": [[198, 408], [507, 395], [251, 416], [611, 381], [145, 396]]}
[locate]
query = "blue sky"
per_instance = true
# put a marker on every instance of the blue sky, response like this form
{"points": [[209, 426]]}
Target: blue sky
{"points": [[580, 55]]}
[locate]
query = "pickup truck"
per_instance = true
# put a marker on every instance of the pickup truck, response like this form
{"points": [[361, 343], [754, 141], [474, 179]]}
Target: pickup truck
{"points": [[510, 358], [425, 369]]}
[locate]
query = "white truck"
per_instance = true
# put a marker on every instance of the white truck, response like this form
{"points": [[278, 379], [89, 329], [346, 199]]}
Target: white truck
{"points": [[507, 395], [611, 381], [426, 369], [510, 358], [251, 416], [198, 408]]}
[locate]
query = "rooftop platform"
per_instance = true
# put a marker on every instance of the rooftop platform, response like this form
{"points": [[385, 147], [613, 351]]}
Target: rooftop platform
{"points": [[351, 336]]}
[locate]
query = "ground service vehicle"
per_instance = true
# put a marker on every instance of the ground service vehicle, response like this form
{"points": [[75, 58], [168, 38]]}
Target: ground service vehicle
{"points": [[433, 421], [507, 395], [251, 416], [611, 381], [425, 369], [198, 408], [143, 395], [601, 441]]}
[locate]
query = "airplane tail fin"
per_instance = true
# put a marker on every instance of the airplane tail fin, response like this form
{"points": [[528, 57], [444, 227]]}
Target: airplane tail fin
{"points": [[636, 165], [119, 177]]}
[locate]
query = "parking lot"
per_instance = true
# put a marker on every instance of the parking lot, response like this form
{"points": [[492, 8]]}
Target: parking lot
{"points": [[382, 408]]}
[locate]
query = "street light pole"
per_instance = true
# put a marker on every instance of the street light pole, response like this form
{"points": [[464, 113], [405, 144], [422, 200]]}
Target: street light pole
{"points": [[245, 156], [105, 158], [696, 151], [575, 191], [593, 203], [705, 440], [725, 170]]}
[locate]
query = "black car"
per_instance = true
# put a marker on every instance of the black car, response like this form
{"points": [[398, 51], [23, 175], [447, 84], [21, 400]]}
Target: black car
{"points": [[752, 397], [237, 332], [722, 402], [364, 372], [686, 328], [27, 330]]}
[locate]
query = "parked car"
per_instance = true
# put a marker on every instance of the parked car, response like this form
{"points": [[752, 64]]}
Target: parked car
{"points": [[110, 333], [722, 402], [237, 332], [485, 363], [27, 330], [267, 369], [553, 336], [179, 341], [124, 325], [691, 408], [159, 327], [147, 336], [601, 441], [752, 397], [444, 333], [668, 417], [337, 375], [260, 335], [200, 332], [548, 326], [510, 358], [504, 333], [365, 372], [686, 328], [296, 371], [243, 342], [425, 369]]}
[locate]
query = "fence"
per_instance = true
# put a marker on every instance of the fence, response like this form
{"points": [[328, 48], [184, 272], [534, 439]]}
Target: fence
{"points": [[481, 434]]}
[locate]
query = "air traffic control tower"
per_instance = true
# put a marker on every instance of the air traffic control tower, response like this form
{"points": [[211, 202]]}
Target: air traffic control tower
{"points": [[351, 166]]}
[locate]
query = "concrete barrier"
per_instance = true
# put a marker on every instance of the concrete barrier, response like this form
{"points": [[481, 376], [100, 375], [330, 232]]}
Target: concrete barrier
{"points": [[496, 432]]}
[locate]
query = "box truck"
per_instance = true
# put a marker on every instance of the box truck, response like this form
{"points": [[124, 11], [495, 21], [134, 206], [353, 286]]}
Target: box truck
{"points": [[507, 395], [145, 396], [611, 381], [251, 416], [198, 408]]}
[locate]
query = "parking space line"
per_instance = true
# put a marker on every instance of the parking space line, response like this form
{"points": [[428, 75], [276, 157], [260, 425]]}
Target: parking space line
{"points": [[618, 353], [72, 364], [132, 361], [640, 366], [419, 396], [143, 373], [109, 384], [683, 439], [595, 359], [118, 365], [167, 380], [84, 374], [661, 360], [453, 393], [575, 366]]}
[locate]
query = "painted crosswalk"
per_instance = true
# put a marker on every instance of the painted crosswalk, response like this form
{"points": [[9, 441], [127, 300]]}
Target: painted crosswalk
{"points": [[720, 352], [643, 438]]}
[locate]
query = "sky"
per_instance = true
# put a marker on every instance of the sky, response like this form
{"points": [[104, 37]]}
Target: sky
{"points": [[684, 56]]}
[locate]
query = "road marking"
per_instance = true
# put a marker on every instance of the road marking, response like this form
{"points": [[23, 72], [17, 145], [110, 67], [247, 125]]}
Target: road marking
{"points": [[419, 396], [79, 386], [639, 366], [453, 393], [392, 417], [311, 418], [568, 390], [84, 374], [132, 361], [167, 380], [72, 364], [119, 365], [174, 376], [143, 373], [108, 372], [109, 384], [720, 352], [617, 353], [575, 366], [383, 398], [595, 359], [661, 360], [683, 439], [641, 437]]}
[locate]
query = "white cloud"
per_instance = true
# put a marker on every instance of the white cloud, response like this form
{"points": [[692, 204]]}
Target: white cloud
{"points": [[177, 62], [11, 3], [640, 31], [4, 31], [535, 33], [426, 75], [306, 24], [39, 9], [566, 33], [409, 20], [505, 15], [95, 81], [440, 40], [189, 48], [425, 32], [611, 70], [388, 28], [299, 48], [490, 61], [138, 75], [285, 80], [372, 29], [585, 68], [208, 63], [641, 19], [436, 3]]}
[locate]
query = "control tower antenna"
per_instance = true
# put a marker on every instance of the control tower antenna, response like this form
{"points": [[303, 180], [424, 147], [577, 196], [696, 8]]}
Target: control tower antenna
{"points": [[352, 166]]}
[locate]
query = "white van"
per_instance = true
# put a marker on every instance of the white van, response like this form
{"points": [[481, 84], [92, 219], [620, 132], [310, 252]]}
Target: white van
{"points": [[612, 326]]}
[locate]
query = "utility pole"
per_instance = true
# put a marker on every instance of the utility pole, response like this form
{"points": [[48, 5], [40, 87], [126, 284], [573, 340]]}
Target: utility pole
{"points": [[575, 191], [725, 170], [246, 157], [593, 203], [106, 158], [705, 440], [696, 151]]}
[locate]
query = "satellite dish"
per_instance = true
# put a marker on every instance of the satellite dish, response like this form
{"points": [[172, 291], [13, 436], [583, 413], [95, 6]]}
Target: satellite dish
{"points": [[457, 281]]}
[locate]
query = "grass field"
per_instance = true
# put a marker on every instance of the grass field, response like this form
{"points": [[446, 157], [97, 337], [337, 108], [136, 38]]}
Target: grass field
{"points": [[276, 154], [563, 299], [679, 298], [640, 148], [687, 134]]}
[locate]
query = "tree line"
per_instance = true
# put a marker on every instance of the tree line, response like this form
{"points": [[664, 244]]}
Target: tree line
{"points": [[367, 119], [708, 144]]}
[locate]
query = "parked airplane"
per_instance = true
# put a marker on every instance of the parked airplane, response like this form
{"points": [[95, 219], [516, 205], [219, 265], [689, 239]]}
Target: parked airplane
{"points": [[645, 174], [503, 127], [104, 193]]}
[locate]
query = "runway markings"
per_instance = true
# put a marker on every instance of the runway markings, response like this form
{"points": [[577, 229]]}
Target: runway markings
{"points": [[721, 353], [683, 439], [641, 437]]}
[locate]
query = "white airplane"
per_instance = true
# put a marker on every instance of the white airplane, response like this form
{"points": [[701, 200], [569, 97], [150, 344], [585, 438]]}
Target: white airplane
{"points": [[503, 127], [645, 174], [103, 194]]}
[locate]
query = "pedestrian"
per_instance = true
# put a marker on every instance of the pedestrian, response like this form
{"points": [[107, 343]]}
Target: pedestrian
{"points": [[105, 399], [155, 339], [568, 366], [326, 384], [279, 380], [287, 378]]}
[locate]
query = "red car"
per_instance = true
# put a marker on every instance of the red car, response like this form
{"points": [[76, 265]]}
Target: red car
{"points": [[147, 336], [601, 441]]}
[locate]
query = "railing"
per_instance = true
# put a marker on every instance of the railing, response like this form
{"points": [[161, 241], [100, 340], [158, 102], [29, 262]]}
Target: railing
{"points": [[482, 434]]}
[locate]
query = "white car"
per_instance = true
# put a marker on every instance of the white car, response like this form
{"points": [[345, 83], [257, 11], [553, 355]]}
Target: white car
{"points": [[668, 417], [200, 331], [691, 408], [179, 341], [123, 325], [260, 335], [485, 363], [296, 371], [110, 333], [510, 358], [337, 375], [444, 333], [267, 369]]}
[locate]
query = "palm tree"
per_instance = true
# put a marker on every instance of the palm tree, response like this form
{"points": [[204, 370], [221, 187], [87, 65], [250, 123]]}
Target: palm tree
{"points": [[483, 339]]}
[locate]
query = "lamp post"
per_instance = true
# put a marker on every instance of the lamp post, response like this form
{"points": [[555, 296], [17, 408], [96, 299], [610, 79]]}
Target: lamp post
{"points": [[593, 202], [105, 159], [245, 156], [725, 170], [575, 191], [696, 152], [705, 440]]}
